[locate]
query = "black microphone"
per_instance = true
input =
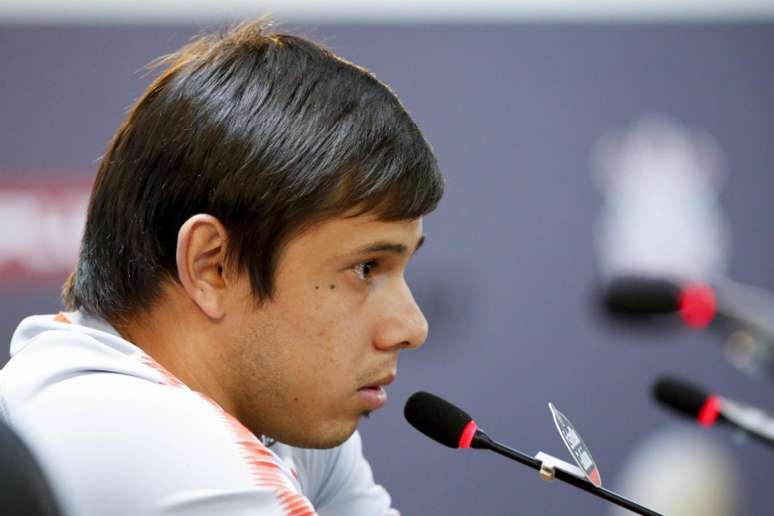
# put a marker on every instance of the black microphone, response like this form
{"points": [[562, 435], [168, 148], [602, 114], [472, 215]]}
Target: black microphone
{"points": [[708, 409], [698, 304], [641, 296], [440, 420], [453, 427]]}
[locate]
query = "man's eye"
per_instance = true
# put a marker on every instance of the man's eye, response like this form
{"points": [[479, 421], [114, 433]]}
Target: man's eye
{"points": [[363, 270]]}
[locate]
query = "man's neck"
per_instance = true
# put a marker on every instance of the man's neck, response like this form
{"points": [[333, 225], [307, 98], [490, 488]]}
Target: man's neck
{"points": [[176, 335]]}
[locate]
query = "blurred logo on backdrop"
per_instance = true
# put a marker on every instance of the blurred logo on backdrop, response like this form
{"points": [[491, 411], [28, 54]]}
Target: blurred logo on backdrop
{"points": [[661, 216], [41, 223]]}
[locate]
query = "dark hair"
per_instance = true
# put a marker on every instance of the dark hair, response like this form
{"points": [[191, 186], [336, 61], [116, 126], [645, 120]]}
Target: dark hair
{"points": [[267, 132]]}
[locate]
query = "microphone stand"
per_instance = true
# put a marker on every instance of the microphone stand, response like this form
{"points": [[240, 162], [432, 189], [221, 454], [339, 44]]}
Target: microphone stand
{"points": [[484, 442]]}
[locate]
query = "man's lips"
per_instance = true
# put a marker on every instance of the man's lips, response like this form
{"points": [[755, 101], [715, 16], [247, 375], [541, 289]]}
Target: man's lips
{"points": [[373, 394], [381, 382]]}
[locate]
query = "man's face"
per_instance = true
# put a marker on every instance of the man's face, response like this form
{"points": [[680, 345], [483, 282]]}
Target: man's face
{"points": [[308, 364]]}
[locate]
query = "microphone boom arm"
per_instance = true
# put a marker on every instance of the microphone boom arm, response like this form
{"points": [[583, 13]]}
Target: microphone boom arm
{"points": [[484, 442]]}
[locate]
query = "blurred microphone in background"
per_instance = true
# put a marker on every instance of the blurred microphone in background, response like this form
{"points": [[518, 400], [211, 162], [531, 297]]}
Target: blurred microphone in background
{"points": [[742, 314], [662, 241], [708, 409]]}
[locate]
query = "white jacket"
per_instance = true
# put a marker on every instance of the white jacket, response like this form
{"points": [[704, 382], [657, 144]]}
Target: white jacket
{"points": [[119, 435]]}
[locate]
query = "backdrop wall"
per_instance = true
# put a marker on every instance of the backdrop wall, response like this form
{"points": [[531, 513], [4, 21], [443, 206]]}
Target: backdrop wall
{"points": [[506, 277]]}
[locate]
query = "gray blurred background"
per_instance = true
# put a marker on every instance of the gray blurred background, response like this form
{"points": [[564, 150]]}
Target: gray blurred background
{"points": [[515, 103]]}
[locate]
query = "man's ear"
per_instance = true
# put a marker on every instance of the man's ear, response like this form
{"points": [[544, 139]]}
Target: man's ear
{"points": [[201, 255]]}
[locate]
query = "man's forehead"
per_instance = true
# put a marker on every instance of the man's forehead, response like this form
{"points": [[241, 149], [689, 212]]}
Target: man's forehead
{"points": [[353, 234]]}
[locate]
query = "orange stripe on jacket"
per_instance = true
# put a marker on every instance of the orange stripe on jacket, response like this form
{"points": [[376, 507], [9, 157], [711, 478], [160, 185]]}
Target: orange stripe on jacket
{"points": [[260, 461], [60, 317]]}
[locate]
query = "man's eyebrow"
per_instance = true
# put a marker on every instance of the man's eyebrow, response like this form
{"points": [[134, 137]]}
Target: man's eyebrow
{"points": [[390, 247]]}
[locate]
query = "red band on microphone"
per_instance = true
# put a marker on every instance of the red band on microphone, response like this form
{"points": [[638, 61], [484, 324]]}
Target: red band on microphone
{"points": [[467, 434], [698, 305], [709, 411]]}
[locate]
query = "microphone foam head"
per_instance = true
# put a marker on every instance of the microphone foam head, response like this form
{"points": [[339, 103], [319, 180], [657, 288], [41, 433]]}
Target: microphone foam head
{"points": [[638, 296], [436, 418], [680, 396]]}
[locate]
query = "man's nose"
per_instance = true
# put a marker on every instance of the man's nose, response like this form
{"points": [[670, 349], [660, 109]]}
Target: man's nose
{"points": [[404, 325]]}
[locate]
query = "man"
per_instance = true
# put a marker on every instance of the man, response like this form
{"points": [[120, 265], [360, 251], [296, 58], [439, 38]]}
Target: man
{"points": [[240, 282]]}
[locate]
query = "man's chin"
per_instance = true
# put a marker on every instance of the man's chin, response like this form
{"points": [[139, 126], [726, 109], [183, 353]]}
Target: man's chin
{"points": [[322, 440]]}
